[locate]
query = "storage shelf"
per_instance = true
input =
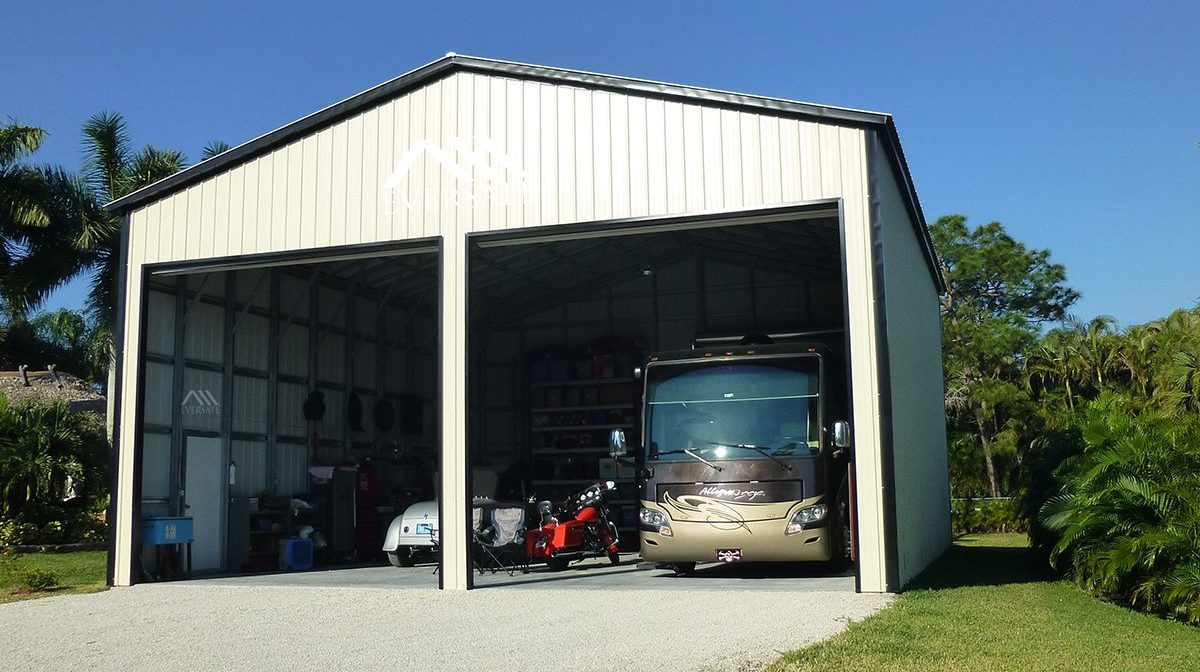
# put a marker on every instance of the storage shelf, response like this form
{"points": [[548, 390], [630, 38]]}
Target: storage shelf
{"points": [[581, 481], [581, 428], [568, 409], [571, 451], [573, 383]]}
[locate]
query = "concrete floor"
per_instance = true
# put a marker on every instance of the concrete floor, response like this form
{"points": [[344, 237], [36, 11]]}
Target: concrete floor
{"points": [[596, 618], [591, 574]]}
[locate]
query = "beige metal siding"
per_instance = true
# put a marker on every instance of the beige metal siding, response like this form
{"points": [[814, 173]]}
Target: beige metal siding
{"points": [[918, 418], [521, 154], [568, 154]]}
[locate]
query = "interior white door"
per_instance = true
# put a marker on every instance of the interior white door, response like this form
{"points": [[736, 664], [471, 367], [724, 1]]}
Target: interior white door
{"points": [[202, 499]]}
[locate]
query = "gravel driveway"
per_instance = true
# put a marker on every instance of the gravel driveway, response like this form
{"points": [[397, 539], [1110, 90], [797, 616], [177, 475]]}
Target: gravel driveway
{"points": [[209, 626]]}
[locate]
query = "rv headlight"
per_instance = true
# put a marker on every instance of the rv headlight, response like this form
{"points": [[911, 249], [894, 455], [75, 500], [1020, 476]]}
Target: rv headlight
{"points": [[809, 516], [654, 521], [651, 517]]}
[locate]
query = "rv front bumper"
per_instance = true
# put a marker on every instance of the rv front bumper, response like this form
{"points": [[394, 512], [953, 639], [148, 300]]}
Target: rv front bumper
{"points": [[755, 541]]}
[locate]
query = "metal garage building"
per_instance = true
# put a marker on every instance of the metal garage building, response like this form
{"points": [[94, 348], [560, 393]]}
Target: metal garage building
{"points": [[364, 249]]}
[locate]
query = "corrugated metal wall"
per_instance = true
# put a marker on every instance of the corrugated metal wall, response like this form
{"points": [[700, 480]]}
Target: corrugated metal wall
{"points": [[918, 419], [530, 153], [474, 152], [661, 312], [268, 434]]}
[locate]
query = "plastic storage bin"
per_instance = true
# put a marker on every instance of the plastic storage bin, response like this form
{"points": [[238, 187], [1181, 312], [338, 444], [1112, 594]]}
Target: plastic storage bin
{"points": [[295, 554]]}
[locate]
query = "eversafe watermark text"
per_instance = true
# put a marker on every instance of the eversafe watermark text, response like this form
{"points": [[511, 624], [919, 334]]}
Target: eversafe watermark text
{"points": [[456, 173], [200, 402]]}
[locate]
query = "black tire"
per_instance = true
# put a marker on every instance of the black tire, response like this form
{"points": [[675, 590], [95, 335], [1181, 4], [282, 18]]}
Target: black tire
{"points": [[401, 557], [839, 531], [614, 558], [557, 563], [683, 568]]}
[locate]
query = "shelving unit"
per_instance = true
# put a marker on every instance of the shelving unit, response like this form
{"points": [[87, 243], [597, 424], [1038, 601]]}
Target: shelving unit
{"points": [[267, 527], [574, 404]]}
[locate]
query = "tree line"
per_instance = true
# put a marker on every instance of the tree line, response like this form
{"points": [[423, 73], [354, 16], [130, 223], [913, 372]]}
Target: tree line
{"points": [[53, 229], [1093, 428]]}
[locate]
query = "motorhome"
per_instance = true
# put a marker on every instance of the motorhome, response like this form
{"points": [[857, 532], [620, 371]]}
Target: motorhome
{"points": [[744, 456]]}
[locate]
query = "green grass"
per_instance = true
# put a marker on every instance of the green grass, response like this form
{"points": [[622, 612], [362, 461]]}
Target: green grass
{"points": [[80, 572], [988, 605]]}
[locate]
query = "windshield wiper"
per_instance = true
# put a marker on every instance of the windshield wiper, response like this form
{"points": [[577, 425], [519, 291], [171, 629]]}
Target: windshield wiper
{"points": [[688, 452], [761, 451]]}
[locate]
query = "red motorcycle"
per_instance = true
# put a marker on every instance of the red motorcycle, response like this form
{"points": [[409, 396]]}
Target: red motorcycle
{"points": [[577, 528]]}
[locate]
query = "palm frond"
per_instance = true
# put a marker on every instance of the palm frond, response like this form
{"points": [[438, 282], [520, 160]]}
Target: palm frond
{"points": [[106, 153], [148, 166], [17, 141], [214, 148]]}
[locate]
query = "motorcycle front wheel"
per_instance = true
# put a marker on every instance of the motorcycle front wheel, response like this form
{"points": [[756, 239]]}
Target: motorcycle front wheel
{"points": [[557, 563], [614, 558]]}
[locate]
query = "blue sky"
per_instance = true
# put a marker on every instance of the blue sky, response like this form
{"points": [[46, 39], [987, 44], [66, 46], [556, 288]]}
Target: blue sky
{"points": [[1075, 124]]}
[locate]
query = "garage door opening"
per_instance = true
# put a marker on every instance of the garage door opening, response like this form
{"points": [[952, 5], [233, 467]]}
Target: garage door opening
{"points": [[289, 412], [562, 326]]}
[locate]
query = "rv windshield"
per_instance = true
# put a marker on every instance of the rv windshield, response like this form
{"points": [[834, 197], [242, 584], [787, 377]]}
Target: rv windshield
{"points": [[733, 410]]}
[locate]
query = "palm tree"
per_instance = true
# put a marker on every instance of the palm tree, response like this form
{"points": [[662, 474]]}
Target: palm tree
{"points": [[43, 449], [111, 170], [41, 208], [19, 206], [62, 327], [1098, 340], [1135, 354], [213, 148]]}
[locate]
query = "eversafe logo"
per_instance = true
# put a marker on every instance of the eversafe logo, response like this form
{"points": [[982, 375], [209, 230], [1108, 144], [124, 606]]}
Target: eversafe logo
{"points": [[480, 174], [200, 402]]}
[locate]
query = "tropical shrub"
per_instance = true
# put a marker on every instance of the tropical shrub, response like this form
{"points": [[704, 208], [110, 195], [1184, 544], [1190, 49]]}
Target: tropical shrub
{"points": [[52, 524], [1039, 480], [53, 471], [1127, 518], [974, 516]]}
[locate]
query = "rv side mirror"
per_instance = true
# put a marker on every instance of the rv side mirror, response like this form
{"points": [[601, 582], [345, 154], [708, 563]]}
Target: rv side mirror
{"points": [[616, 443], [841, 434]]}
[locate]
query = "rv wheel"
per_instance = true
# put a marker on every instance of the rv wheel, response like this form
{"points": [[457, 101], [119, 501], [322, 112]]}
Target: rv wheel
{"points": [[839, 530], [683, 568]]}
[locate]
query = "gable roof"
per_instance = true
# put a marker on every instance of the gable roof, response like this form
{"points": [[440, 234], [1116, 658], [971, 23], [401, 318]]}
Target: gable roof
{"points": [[451, 63]]}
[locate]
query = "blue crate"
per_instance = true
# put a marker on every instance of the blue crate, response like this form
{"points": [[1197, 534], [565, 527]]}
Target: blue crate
{"points": [[166, 530], [295, 554]]}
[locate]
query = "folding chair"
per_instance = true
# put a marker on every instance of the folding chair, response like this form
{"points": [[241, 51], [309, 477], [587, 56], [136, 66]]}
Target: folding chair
{"points": [[500, 543]]}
